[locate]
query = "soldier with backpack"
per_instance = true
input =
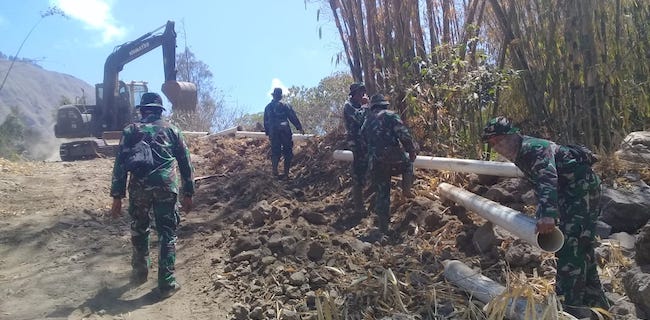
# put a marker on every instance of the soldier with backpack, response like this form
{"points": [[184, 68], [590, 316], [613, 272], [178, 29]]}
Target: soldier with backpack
{"points": [[147, 153], [388, 141]]}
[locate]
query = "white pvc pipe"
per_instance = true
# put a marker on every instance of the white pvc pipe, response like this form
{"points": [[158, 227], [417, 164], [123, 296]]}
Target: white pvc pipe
{"points": [[493, 168], [226, 131], [262, 135], [195, 133], [479, 286], [514, 221], [229, 131], [485, 289]]}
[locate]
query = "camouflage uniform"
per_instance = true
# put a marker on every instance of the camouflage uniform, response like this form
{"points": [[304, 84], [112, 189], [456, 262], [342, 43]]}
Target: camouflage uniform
{"points": [[567, 189], [387, 139], [277, 116], [157, 190], [353, 116]]}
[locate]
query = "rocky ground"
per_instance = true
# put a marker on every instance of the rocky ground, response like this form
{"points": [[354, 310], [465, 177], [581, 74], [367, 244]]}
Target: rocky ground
{"points": [[260, 248]]}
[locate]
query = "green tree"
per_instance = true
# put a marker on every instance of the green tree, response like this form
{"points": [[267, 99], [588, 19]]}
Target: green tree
{"points": [[212, 114], [12, 140], [581, 66], [320, 109]]}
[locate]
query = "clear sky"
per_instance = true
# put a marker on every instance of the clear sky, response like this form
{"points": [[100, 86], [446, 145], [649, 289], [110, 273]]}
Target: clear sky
{"points": [[250, 46]]}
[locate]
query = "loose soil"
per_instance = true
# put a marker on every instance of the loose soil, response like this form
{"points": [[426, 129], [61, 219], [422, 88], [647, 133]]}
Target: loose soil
{"points": [[254, 247]]}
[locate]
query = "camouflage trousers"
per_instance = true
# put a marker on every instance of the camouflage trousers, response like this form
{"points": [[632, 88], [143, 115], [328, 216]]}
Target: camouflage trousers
{"points": [[359, 171], [359, 165], [166, 217], [577, 281], [281, 145], [381, 174]]}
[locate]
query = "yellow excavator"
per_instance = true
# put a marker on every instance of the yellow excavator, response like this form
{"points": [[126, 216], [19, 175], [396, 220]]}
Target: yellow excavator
{"points": [[93, 125]]}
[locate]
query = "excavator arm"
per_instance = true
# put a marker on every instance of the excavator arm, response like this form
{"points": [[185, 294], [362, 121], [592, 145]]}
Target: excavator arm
{"points": [[183, 95]]}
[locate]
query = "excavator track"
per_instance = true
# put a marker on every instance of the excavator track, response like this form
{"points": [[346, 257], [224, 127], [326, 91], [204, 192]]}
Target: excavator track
{"points": [[86, 149]]}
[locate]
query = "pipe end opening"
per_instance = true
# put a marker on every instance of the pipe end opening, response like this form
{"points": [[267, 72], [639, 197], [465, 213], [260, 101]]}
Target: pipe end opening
{"points": [[552, 241]]}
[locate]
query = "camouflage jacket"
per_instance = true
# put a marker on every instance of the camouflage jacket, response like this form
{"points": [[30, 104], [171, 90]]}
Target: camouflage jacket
{"points": [[277, 116], [166, 147], [353, 116], [386, 137], [543, 161]]}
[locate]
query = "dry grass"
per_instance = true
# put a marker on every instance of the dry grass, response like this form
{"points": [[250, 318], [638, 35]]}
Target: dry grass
{"points": [[612, 169], [17, 167], [375, 295]]}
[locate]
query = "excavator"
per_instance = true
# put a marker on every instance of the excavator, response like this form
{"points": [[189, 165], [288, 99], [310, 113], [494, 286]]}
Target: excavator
{"points": [[93, 125]]}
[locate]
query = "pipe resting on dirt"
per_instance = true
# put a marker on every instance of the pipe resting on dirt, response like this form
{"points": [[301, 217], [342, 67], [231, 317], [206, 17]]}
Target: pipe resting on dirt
{"points": [[492, 168], [485, 290], [513, 221], [262, 135]]}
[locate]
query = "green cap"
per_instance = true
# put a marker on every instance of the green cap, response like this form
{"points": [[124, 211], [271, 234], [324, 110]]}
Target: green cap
{"points": [[497, 127]]}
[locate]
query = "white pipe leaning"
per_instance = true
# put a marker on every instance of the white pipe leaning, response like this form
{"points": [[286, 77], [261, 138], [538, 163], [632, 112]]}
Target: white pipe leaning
{"points": [[262, 135], [492, 168], [514, 221]]}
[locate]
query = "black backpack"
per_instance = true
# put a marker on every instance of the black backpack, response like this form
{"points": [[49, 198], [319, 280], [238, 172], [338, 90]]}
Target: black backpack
{"points": [[138, 159], [582, 154]]}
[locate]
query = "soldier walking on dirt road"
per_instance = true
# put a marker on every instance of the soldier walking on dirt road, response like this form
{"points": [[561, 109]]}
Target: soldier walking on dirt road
{"points": [[388, 139], [568, 194], [354, 115], [277, 116], [154, 187]]}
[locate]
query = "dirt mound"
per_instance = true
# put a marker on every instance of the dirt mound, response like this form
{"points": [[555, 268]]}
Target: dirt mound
{"points": [[296, 248]]}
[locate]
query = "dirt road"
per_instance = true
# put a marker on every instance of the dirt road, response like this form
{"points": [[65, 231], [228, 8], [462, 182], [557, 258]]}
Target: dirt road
{"points": [[62, 257]]}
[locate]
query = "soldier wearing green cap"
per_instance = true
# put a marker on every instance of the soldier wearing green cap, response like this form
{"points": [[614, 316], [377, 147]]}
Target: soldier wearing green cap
{"points": [[568, 194], [354, 113], [156, 187], [389, 141]]}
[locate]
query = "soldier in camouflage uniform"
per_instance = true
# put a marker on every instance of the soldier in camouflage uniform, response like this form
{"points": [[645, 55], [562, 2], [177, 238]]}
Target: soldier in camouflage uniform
{"points": [[277, 116], [156, 188], [387, 139], [568, 193], [354, 115]]}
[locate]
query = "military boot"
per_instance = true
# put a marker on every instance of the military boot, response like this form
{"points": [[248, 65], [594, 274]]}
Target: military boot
{"points": [[274, 164], [287, 166], [382, 223], [140, 263], [357, 198], [407, 183]]}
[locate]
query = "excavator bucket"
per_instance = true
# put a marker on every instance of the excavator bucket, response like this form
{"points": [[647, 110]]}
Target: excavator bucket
{"points": [[181, 94]]}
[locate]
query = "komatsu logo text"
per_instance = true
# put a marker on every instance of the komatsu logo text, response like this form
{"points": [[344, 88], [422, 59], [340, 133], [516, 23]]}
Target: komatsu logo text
{"points": [[139, 48]]}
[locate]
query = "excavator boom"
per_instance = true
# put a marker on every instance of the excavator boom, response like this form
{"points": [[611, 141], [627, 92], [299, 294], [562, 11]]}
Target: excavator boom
{"points": [[115, 100], [181, 94]]}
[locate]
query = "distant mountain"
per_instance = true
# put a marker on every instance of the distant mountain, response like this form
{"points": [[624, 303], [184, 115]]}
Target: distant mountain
{"points": [[37, 93]]}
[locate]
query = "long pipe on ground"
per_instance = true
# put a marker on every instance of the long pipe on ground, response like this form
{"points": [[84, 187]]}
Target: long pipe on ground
{"points": [[485, 289], [262, 135], [225, 132], [515, 222], [492, 168], [195, 133]]}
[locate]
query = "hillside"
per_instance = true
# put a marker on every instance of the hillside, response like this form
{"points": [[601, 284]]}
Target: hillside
{"points": [[37, 93]]}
